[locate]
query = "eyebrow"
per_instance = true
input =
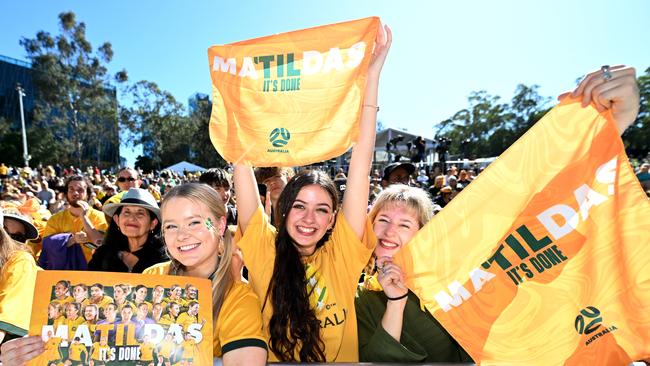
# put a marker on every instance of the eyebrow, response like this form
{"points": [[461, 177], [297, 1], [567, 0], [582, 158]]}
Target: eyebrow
{"points": [[184, 219], [317, 204]]}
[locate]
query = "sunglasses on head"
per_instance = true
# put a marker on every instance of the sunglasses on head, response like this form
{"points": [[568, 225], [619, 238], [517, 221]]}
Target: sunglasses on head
{"points": [[122, 179]]}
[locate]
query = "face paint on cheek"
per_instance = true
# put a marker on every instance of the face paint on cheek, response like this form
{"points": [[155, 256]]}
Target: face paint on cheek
{"points": [[209, 224]]}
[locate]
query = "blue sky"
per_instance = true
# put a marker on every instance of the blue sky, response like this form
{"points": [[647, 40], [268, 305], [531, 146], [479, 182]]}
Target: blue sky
{"points": [[441, 50]]}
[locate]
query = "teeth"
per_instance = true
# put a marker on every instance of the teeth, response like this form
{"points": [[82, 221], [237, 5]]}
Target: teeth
{"points": [[187, 247], [388, 244], [306, 230]]}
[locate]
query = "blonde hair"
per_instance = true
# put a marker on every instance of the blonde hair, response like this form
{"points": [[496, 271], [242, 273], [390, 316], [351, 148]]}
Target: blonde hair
{"points": [[413, 198], [223, 278]]}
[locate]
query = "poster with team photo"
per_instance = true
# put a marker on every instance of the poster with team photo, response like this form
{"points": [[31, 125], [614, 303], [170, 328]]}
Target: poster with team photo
{"points": [[122, 319]]}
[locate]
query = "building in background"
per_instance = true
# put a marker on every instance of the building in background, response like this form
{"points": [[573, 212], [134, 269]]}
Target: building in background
{"points": [[105, 153]]}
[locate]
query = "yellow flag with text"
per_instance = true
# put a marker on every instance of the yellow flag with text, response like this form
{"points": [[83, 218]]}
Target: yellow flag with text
{"points": [[545, 258], [293, 98]]}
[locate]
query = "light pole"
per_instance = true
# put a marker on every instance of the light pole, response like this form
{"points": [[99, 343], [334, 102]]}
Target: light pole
{"points": [[21, 94]]}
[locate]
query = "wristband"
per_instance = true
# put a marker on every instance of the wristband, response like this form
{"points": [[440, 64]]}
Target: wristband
{"points": [[376, 107], [398, 297]]}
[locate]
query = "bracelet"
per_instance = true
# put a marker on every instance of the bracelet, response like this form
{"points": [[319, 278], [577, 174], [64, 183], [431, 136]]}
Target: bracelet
{"points": [[372, 106], [398, 297]]}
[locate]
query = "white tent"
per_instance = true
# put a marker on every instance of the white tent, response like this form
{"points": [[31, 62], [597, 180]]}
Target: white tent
{"points": [[185, 166]]}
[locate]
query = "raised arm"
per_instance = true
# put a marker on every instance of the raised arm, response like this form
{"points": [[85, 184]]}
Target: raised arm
{"points": [[613, 88], [355, 200], [248, 197]]}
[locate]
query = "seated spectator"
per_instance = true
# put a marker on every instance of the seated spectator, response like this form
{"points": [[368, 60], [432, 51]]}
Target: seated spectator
{"points": [[397, 173], [68, 232], [438, 183], [133, 241]]}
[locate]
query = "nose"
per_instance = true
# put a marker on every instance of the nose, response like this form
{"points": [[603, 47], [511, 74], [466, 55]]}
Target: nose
{"points": [[391, 229], [310, 216]]}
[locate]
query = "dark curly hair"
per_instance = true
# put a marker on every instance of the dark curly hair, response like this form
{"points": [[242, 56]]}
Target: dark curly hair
{"points": [[294, 325]]}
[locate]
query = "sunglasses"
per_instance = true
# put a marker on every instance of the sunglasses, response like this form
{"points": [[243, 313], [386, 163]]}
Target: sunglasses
{"points": [[19, 237], [122, 179]]}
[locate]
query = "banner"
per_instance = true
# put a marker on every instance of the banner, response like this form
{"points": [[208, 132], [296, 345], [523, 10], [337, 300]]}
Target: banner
{"points": [[293, 98], [544, 259], [122, 319]]}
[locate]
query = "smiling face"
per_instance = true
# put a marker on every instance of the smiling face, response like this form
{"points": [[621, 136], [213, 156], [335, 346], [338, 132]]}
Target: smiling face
{"points": [[60, 291], [394, 226], [135, 221], [309, 218], [90, 313], [192, 234]]}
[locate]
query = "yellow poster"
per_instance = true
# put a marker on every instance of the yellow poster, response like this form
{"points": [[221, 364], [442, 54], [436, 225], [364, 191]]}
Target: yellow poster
{"points": [[293, 98], [102, 318], [545, 258]]}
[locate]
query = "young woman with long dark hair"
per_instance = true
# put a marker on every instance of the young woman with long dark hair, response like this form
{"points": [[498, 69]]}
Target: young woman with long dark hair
{"points": [[306, 271]]}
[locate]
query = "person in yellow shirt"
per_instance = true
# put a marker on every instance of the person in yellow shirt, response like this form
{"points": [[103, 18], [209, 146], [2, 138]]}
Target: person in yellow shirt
{"points": [[72, 317], [75, 352], [175, 295], [305, 274], [100, 353], [80, 294], [158, 295], [141, 292], [52, 351], [97, 296], [194, 228], [82, 221], [62, 292], [166, 349], [173, 310], [188, 350], [55, 313], [121, 293], [190, 316], [91, 316], [146, 352]]}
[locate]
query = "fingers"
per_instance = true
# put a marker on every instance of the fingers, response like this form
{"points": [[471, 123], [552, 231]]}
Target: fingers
{"points": [[21, 350], [595, 79], [598, 74]]}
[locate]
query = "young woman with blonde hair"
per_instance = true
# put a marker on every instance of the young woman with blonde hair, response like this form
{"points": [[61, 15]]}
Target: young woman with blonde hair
{"points": [[199, 245]]}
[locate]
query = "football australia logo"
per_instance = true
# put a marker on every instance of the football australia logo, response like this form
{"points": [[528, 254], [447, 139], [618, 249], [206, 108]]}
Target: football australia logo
{"points": [[279, 138], [588, 321]]}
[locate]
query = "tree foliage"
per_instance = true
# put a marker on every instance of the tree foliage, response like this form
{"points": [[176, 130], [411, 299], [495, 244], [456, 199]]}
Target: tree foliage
{"points": [[154, 119], [75, 110], [203, 152]]}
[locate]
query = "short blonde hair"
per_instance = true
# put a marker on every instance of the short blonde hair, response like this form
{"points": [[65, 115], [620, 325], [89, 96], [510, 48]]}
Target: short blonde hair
{"points": [[416, 199]]}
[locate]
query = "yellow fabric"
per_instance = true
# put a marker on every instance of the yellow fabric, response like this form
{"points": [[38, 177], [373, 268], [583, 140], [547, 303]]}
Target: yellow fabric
{"points": [[256, 120], [188, 348], [64, 222], [105, 300], [122, 305], [116, 198], [64, 301], [17, 282], [339, 261], [73, 324], [52, 348], [97, 352], [75, 350], [548, 251], [180, 301], [239, 317], [146, 351], [165, 348], [185, 319]]}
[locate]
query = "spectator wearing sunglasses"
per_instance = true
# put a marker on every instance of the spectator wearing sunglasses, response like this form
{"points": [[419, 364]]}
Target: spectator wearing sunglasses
{"points": [[18, 226], [127, 178]]}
